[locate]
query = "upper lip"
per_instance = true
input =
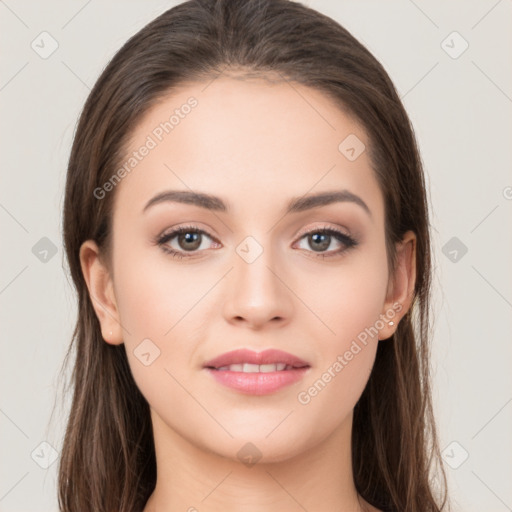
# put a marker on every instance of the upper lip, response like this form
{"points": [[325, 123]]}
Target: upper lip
{"points": [[268, 356]]}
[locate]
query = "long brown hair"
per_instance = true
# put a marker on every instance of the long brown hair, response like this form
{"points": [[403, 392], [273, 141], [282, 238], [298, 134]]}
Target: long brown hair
{"points": [[108, 460]]}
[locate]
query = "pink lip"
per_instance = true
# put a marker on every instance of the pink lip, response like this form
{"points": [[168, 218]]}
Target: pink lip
{"points": [[268, 356], [257, 383]]}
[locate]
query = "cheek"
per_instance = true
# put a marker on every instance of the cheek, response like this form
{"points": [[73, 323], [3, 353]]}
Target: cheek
{"points": [[153, 312], [350, 298], [350, 306], [153, 301], [153, 296]]}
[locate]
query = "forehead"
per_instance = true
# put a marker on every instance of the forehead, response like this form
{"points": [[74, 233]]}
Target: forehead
{"points": [[247, 140]]}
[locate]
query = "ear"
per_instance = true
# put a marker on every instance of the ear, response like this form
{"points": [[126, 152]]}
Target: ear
{"points": [[401, 284], [101, 292]]}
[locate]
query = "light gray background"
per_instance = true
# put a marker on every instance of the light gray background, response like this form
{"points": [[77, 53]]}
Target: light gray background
{"points": [[461, 110]]}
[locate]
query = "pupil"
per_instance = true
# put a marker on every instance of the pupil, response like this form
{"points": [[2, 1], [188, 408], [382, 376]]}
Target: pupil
{"points": [[190, 238], [325, 243]]}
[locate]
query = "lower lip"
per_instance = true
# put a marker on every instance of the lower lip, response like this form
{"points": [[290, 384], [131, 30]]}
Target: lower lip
{"points": [[258, 383]]}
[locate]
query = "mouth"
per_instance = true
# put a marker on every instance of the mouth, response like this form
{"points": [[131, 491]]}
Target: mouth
{"points": [[257, 373], [257, 368], [248, 361]]}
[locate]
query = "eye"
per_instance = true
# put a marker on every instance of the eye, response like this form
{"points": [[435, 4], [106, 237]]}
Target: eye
{"points": [[188, 239], [321, 239]]}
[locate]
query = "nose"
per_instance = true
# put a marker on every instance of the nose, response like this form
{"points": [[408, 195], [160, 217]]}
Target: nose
{"points": [[258, 292]]}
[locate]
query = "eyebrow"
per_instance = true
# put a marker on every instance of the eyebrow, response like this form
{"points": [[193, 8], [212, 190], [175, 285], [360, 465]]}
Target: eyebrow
{"points": [[295, 205]]}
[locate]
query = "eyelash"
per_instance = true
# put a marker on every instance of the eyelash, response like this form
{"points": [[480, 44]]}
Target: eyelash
{"points": [[347, 240]]}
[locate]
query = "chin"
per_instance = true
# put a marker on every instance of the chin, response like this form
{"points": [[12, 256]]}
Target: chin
{"points": [[253, 446]]}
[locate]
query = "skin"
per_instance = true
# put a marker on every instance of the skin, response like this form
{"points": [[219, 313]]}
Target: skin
{"points": [[256, 145]]}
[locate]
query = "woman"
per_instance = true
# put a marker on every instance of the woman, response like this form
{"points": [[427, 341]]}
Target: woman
{"points": [[246, 226]]}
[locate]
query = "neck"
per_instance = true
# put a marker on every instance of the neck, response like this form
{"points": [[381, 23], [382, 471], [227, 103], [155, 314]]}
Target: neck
{"points": [[193, 479]]}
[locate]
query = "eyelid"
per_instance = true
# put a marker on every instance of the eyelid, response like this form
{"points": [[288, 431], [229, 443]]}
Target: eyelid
{"points": [[171, 233], [177, 228], [321, 227]]}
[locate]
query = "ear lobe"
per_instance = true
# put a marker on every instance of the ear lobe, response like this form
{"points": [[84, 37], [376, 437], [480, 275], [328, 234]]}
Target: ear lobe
{"points": [[101, 292], [401, 285]]}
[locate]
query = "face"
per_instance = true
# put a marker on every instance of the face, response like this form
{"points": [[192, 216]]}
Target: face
{"points": [[248, 271]]}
